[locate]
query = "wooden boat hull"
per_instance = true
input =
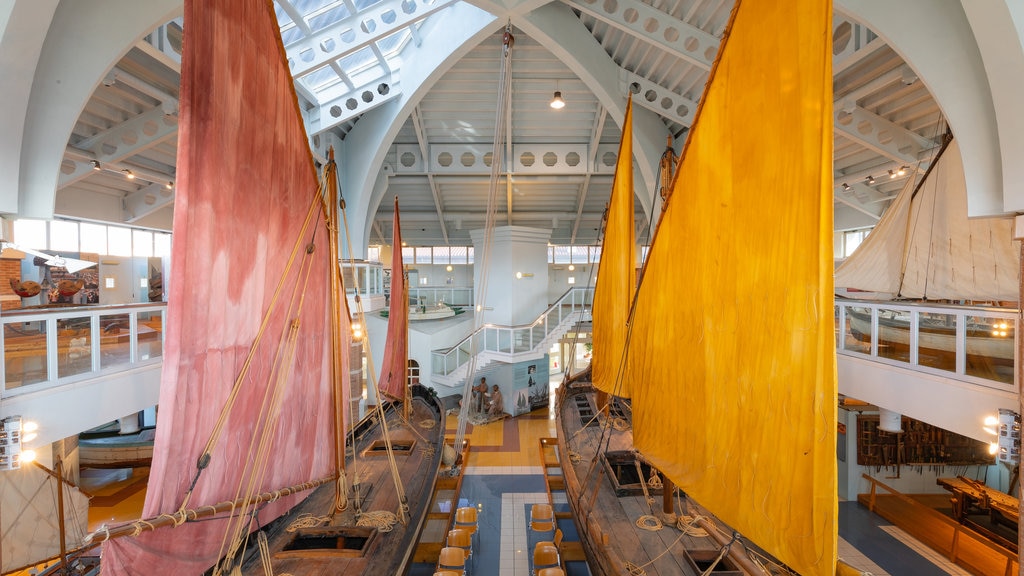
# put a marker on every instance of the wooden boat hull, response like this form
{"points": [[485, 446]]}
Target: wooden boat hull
{"points": [[933, 339], [342, 547], [606, 511], [117, 450]]}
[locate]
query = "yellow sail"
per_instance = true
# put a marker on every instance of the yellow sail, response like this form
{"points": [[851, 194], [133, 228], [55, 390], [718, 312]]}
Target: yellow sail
{"points": [[616, 279], [731, 358]]}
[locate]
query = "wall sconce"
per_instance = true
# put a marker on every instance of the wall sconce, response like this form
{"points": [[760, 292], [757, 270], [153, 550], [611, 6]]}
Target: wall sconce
{"points": [[448, 268], [521, 275], [572, 267]]}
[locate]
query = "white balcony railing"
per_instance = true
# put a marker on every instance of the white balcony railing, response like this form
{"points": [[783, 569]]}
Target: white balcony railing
{"points": [[44, 348], [971, 344]]}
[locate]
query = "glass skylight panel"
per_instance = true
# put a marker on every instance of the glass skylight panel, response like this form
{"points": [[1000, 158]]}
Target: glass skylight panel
{"points": [[394, 42], [358, 61], [320, 79], [325, 19], [362, 5]]}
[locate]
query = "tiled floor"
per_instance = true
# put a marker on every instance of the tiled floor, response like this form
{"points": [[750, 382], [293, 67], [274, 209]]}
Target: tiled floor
{"points": [[503, 479]]}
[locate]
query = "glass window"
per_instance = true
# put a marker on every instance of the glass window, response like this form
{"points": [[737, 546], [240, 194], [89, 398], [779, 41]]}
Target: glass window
{"points": [[442, 255], [562, 254], [423, 255], [408, 255], [852, 240], [94, 238], [119, 241], [64, 236], [469, 255], [373, 253], [459, 254], [595, 254], [162, 245], [579, 254], [142, 243], [30, 233]]}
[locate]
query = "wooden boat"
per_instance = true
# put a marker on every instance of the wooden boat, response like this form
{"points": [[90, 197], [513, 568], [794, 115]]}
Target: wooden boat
{"points": [[729, 393], [116, 450], [254, 471]]}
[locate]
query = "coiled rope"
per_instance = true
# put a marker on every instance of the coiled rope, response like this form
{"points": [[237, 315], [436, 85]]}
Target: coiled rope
{"points": [[382, 520], [307, 521]]}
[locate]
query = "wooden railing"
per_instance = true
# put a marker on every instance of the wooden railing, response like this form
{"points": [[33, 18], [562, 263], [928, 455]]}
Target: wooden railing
{"points": [[963, 546]]}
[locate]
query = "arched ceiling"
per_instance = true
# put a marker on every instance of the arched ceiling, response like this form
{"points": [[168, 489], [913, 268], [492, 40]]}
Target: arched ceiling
{"points": [[425, 135]]}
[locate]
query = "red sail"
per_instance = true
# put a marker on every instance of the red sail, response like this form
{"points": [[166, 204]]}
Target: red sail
{"points": [[393, 367], [246, 185]]}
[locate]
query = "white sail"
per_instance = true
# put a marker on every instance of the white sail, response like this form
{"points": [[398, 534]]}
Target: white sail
{"points": [[925, 246]]}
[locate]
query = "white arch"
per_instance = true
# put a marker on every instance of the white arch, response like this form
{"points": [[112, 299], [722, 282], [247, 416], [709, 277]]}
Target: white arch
{"points": [[937, 41], [84, 40], [556, 28], [23, 28]]}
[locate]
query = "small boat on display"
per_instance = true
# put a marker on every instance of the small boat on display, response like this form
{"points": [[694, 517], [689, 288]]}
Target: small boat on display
{"points": [[936, 336], [434, 312]]}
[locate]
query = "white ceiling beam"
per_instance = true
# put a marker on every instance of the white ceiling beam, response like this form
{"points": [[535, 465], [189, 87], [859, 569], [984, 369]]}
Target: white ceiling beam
{"points": [[344, 108], [879, 134], [83, 160], [600, 117], [354, 33], [147, 200], [417, 126], [467, 216], [674, 36], [141, 132], [158, 45], [654, 97]]}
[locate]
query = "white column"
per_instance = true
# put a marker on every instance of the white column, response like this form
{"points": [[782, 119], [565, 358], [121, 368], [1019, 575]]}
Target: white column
{"points": [[517, 274]]}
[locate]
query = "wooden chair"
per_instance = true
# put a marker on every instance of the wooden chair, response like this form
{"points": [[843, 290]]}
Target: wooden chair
{"points": [[548, 572], [452, 560], [545, 556], [542, 518], [465, 519], [459, 538]]}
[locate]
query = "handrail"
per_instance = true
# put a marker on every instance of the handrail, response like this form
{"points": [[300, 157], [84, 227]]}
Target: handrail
{"points": [[509, 339], [972, 344]]}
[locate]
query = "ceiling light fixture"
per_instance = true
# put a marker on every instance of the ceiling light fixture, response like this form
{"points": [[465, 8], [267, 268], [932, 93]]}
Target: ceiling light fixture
{"points": [[902, 170], [870, 179], [128, 174], [846, 187], [891, 174], [557, 103], [169, 185], [95, 164]]}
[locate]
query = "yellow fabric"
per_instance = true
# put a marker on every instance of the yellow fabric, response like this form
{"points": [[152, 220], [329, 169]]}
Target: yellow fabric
{"points": [[616, 283], [731, 358]]}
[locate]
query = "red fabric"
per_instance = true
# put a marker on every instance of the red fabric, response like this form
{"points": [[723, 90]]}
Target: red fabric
{"points": [[393, 365], [245, 183]]}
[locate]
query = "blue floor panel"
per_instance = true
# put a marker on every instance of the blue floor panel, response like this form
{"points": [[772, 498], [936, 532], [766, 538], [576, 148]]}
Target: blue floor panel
{"points": [[861, 528]]}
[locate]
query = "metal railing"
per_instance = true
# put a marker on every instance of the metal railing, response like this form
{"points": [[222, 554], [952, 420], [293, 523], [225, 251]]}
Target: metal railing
{"points": [[975, 345], [43, 348], [512, 339], [450, 295]]}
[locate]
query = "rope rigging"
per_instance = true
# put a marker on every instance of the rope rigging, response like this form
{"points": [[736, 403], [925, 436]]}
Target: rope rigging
{"points": [[502, 127]]}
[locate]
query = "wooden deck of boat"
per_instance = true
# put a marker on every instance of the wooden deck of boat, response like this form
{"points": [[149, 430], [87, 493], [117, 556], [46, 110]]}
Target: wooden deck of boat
{"points": [[384, 553], [608, 523]]}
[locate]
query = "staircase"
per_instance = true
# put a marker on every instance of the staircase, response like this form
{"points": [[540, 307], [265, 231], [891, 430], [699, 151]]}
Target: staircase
{"points": [[511, 344]]}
